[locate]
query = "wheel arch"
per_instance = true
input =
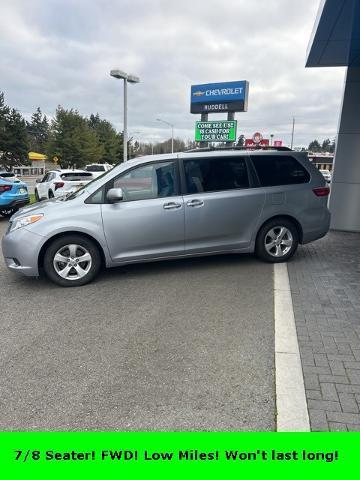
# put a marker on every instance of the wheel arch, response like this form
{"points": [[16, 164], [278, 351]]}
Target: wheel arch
{"points": [[64, 234], [292, 219]]}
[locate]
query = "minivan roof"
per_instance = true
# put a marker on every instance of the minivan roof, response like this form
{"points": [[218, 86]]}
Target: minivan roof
{"points": [[237, 147], [205, 152]]}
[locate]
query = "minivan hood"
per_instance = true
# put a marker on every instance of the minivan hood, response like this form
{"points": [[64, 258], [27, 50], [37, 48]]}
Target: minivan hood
{"points": [[43, 207]]}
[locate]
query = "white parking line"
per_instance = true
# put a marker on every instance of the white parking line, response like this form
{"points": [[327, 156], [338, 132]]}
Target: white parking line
{"points": [[292, 412]]}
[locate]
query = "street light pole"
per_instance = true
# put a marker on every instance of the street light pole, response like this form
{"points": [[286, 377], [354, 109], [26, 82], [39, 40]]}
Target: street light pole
{"points": [[125, 135], [128, 78], [172, 132], [292, 133], [172, 138]]}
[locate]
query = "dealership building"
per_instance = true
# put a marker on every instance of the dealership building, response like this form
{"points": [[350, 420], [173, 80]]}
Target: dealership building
{"points": [[335, 42]]}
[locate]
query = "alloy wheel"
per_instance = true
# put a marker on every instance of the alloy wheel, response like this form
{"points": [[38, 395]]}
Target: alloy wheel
{"points": [[72, 262], [278, 241]]}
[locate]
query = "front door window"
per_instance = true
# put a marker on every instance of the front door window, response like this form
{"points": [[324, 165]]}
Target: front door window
{"points": [[157, 180]]}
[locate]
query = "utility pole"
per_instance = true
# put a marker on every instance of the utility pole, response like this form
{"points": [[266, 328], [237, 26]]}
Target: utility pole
{"points": [[292, 133], [172, 132]]}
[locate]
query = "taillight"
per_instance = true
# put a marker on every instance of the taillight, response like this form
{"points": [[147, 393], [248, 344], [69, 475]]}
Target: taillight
{"points": [[321, 191], [5, 188], [58, 185]]}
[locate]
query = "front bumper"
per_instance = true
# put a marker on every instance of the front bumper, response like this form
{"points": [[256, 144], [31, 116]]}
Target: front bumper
{"points": [[21, 250]]}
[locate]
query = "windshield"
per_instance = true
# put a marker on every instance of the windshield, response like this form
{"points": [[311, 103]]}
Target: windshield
{"points": [[81, 190], [95, 168], [75, 176], [6, 174]]}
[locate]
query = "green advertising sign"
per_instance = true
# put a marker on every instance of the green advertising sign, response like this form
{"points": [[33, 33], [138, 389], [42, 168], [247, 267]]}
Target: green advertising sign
{"points": [[189, 455], [216, 131]]}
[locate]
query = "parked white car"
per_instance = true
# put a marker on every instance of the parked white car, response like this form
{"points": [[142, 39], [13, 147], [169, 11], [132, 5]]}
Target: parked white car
{"points": [[58, 183], [98, 169], [327, 175], [8, 176]]}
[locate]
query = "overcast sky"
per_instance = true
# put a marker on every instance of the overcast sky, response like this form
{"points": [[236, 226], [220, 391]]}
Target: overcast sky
{"points": [[61, 51]]}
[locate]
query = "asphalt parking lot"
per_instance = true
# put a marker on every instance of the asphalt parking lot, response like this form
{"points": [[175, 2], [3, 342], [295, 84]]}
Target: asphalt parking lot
{"points": [[180, 345]]}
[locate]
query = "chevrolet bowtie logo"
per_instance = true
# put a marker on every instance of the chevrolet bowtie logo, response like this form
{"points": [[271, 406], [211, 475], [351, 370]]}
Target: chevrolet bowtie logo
{"points": [[199, 93]]}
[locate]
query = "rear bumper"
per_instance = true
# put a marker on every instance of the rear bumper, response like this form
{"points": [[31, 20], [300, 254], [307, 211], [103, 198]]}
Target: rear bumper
{"points": [[59, 193], [21, 250], [18, 203], [321, 230]]}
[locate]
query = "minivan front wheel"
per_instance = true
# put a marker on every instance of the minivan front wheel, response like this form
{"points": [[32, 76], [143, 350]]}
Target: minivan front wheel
{"points": [[72, 260], [277, 241]]}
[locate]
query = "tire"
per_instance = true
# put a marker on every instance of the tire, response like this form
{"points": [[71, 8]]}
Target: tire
{"points": [[37, 198], [275, 245], [51, 194], [8, 212], [71, 272]]}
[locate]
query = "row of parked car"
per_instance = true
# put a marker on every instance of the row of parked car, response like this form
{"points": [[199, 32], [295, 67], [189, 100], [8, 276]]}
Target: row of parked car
{"points": [[14, 193], [58, 183]]}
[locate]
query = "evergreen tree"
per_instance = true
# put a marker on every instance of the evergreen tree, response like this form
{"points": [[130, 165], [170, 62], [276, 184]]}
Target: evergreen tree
{"points": [[326, 145], [108, 138], [73, 141], [13, 136], [332, 146], [38, 131], [241, 141], [314, 146]]}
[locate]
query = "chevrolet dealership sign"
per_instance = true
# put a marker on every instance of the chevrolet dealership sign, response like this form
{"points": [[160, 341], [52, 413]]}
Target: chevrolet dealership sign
{"points": [[221, 131], [219, 97]]}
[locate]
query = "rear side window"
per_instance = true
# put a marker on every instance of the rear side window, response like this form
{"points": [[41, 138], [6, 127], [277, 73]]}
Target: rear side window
{"points": [[215, 174], [75, 177], [279, 170]]}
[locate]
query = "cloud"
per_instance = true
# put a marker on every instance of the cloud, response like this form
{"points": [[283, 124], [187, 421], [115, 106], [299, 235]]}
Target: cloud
{"points": [[61, 51]]}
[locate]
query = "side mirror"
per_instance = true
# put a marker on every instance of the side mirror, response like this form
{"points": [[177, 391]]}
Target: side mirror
{"points": [[38, 180], [115, 195]]}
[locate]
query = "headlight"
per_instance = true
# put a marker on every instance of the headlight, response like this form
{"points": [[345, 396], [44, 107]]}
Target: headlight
{"points": [[24, 221]]}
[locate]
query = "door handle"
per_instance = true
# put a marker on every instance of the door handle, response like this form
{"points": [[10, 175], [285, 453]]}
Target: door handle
{"points": [[171, 205], [195, 203]]}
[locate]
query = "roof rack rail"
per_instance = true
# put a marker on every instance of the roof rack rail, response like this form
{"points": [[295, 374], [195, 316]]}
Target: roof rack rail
{"points": [[235, 147]]}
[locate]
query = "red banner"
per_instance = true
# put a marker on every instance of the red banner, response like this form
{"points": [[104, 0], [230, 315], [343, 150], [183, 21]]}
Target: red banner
{"points": [[249, 142]]}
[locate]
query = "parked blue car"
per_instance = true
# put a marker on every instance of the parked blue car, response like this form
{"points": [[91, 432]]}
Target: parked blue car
{"points": [[13, 195]]}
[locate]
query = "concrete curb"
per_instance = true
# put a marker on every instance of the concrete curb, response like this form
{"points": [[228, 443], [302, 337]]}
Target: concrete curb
{"points": [[292, 412]]}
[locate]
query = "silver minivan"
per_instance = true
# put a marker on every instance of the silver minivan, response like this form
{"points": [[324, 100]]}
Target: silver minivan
{"points": [[169, 206]]}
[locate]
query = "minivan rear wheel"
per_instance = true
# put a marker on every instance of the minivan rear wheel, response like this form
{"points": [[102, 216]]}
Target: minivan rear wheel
{"points": [[277, 240], [72, 261]]}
